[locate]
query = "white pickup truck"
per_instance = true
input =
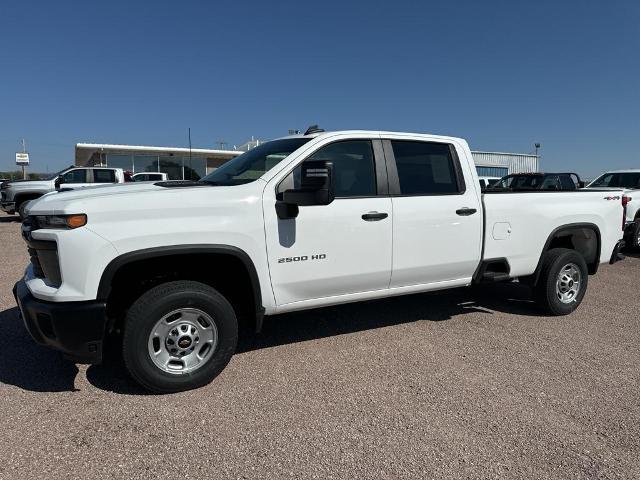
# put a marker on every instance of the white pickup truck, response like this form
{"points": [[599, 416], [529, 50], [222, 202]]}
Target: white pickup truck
{"points": [[15, 194], [629, 181], [173, 269]]}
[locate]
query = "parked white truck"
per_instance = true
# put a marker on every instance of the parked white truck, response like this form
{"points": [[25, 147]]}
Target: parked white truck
{"points": [[629, 180], [324, 218], [15, 194]]}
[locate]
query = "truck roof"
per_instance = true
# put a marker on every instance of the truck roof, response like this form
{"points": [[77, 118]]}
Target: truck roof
{"points": [[372, 133]]}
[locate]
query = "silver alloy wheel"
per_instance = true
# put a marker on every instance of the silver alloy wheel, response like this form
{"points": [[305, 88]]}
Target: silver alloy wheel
{"points": [[183, 340], [638, 239], [568, 283]]}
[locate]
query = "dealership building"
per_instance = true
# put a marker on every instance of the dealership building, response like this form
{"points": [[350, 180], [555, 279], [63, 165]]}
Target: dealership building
{"points": [[181, 163]]}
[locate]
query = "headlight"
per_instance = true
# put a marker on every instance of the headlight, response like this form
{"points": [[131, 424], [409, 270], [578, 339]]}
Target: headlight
{"points": [[61, 221]]}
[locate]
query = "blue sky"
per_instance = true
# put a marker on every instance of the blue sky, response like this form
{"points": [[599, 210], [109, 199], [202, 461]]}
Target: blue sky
{"points": [[503, 74]]}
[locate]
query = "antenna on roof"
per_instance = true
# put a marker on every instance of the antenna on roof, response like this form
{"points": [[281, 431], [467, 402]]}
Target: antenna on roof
{"points": [[313, 129]]}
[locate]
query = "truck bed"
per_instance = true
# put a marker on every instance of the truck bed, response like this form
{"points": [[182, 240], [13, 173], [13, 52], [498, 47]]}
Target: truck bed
{"points": [[518, 224]]}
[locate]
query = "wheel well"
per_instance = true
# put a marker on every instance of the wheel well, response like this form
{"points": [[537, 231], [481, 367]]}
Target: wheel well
{"points": [[25, 197], [225, 272], [583, 239]]}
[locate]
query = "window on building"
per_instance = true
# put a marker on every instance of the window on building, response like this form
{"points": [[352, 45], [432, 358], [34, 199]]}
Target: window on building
{"points": [[172, 166], [145, 163], [425, 168], [194, 168], [125, 162], [497, 172]]}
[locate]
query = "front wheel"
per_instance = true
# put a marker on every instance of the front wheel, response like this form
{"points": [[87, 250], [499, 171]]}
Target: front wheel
{"points": [[22, 209], [563, 281], [178, 336]]}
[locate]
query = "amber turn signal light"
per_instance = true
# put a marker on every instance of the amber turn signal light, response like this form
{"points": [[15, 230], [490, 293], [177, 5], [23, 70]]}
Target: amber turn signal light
{"points": [[75, 221]]}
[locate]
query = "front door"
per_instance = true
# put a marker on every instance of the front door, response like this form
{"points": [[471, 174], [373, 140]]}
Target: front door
{"points": [[76, 178], [335, 249]]}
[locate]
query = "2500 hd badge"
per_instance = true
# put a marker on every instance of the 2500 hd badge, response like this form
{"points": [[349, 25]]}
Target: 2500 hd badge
{"points": [[302, 258]]}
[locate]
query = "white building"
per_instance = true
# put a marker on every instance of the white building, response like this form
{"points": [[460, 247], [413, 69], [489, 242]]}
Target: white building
{"points": [[181, 163]]}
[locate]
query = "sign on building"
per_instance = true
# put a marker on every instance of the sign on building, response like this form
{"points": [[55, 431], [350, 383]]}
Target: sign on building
{"points": [[22, 158]]}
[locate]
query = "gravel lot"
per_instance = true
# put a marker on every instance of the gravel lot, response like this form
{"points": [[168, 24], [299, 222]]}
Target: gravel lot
{"points": [[462, 384]]}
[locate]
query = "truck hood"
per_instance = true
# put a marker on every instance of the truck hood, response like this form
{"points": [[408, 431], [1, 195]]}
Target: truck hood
{"points": [[141, 199], [30, 184]]}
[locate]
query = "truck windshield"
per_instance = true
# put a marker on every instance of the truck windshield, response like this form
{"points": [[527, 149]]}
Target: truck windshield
{"points": [[256, 162], [618, 180]]}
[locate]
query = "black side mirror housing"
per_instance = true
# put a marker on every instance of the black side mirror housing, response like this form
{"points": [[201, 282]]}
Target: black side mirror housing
{"points": [[286, 210], [316, 188], [59, 181]]}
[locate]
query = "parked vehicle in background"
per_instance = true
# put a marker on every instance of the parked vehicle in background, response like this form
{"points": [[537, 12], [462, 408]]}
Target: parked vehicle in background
{"points": [[150, 177], [629, 180], [486, 182], [538, 181], [306, 221], [15, 194]]}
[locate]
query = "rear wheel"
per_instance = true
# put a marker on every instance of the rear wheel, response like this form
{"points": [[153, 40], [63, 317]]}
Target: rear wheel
{"points": [[563, 281], [178, 336], [633, 240]]}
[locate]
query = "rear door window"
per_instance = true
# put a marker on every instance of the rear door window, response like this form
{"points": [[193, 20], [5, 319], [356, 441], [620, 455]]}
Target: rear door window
{"points": [[102, 175], [425, 168]]}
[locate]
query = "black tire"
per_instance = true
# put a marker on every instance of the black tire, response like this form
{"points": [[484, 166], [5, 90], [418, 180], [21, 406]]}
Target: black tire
{"points": [[545, 290], [633, 237], [158, 302], [21, 209]]}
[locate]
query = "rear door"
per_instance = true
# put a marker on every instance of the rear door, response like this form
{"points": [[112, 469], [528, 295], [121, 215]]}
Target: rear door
{"points": [[437, 217], [336, 249]]}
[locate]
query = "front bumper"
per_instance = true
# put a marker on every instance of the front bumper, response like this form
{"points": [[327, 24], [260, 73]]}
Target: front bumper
{"points": [[9, 207], [74, 328], [616, 256]]}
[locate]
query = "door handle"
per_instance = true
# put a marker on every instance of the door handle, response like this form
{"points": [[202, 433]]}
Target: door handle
{"points": [[374, 216], [465, 211]]}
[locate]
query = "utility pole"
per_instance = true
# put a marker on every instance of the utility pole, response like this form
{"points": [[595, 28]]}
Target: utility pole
{"points": [[190, 169], [24, 170]]}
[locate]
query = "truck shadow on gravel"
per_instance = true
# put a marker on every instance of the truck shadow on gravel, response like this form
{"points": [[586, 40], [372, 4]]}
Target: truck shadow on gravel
{"points": [[354, 317], [27, 365], [350, 318], [10, 219], [31, 367]]}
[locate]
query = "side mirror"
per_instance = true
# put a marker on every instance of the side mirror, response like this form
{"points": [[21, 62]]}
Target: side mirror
{"points": [[581, 184], [286, 210], [316, 188], [59, 181]]}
